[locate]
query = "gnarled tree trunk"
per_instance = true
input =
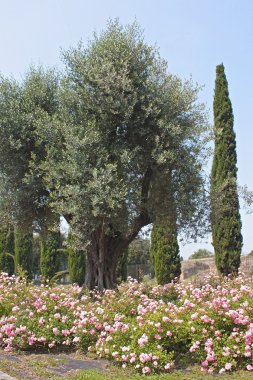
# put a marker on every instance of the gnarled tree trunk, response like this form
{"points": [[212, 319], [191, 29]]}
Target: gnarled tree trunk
{"points": [[105, 250], [102, 258], [100, 274]]}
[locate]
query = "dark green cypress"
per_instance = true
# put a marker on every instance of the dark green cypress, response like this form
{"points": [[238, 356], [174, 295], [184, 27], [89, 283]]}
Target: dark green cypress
{"points": [[23, 251], [76, 262], [164, 251], [225, 217], [7, 249], [50, 254]]}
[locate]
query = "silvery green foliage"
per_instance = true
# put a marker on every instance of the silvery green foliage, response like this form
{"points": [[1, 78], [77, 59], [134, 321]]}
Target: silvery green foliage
{"points": [[22, 106], [124, 122]]}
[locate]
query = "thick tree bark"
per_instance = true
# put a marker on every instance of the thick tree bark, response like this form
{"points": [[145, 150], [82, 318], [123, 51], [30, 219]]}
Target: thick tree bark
{"points": [[101, 262], [104, 253], [105, 250], [100, 275]]}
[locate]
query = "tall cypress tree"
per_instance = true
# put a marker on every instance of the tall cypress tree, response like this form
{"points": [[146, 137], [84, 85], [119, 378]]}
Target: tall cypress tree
{"points": [[226, 221], [76, 262], [7, 249], [23, 250], [164, 252], [50, 255]]}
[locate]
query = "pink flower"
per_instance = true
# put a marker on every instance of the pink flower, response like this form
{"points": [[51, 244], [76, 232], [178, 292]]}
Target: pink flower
{"points": [[146, 370], [55, 331], [168, 366], [54, 296], [41, 321], [226, 351], [8, 348], [228, 366], [195, 346], [145, 357], [205, 319], [124, 358], [211, 357], [41, 339], [12, 318], [143, 340], [31, 340]]}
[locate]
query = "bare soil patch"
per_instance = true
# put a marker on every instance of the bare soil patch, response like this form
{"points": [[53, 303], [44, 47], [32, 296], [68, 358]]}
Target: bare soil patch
{"points": [[35, 366]]}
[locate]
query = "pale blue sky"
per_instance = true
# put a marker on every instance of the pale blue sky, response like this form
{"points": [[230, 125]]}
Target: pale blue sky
{"points": [[193, 36]]}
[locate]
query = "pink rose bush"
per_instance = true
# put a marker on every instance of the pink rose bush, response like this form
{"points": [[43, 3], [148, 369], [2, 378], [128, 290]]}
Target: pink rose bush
{"points": [[148, 328]]}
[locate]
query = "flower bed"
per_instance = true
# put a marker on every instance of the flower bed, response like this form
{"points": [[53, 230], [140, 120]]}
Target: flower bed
{"points": [[148, 328]]}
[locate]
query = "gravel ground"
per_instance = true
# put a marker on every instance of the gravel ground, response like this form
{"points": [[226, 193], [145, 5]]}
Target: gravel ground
{"points": [[4, 376], [44, 366]]}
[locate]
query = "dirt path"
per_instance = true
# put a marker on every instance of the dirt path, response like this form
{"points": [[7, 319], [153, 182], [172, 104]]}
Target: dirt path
{"points": [[46, 366], [4, 376]]}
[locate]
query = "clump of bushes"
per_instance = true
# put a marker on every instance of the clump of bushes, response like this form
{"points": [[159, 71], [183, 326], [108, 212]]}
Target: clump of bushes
{"points": [[148, 328]]}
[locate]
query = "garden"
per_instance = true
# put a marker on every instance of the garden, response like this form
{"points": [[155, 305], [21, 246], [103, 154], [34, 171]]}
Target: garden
{"points": [[107, 147], [145, 328]]}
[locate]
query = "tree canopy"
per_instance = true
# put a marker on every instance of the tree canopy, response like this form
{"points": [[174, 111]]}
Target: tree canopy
{"points": [[119, 131], [201, 253], [23, 192]]}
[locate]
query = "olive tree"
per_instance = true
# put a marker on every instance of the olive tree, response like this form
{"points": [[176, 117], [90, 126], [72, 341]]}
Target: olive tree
{"points": [[23, 193], [124, 122]]}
